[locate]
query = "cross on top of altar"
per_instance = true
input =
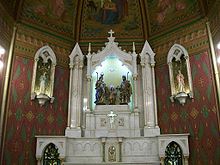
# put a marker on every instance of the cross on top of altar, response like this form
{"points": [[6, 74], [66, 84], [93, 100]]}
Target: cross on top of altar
{"points": [[111, 38], [111, 117], [111, 32]]}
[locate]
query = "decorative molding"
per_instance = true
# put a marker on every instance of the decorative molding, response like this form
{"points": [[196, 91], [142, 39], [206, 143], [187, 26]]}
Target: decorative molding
{"points": [[181, 139], [112, 49], [28, 41], [43, 141], [193, 38]]}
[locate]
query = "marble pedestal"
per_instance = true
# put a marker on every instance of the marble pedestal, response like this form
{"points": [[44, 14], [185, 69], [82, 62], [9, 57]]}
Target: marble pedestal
{"points": [[97, 151]]}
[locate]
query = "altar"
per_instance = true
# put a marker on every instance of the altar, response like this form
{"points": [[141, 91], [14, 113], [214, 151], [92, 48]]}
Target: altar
{"points": [[107, 124]]}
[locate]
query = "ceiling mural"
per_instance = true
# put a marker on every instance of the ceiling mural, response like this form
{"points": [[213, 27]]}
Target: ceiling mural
{"points": [[167, 14], [10, 5], [209, 3], [56, 15], [123, 16]]}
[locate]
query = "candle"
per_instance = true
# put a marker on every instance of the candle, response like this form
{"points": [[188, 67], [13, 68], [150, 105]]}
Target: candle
{"points": [[85, 100]]}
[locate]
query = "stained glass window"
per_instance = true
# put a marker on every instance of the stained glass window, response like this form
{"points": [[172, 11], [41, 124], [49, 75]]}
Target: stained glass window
{"points": [[173, 154], [51, 155]]}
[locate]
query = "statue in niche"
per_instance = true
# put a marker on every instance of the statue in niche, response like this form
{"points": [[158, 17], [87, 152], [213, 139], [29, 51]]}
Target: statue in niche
{"points": [[43, 81], [43, 74], [125, 91], [180, 74], [180, 81], [112, 154], [101, 89], [112, 95]]}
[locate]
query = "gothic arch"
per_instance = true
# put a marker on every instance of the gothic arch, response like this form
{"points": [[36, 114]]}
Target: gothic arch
{"points": [[43, 75], [179, 73]]}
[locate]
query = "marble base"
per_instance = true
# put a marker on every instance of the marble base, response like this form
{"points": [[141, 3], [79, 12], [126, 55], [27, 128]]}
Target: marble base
{"points": [[73, 132], [118, 163], [96, 151], [151, 131], [127, 151]]}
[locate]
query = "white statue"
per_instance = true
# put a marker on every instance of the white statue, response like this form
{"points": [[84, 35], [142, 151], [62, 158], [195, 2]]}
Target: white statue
{"points": [[43, 79], [180, 81], [111, 117]]}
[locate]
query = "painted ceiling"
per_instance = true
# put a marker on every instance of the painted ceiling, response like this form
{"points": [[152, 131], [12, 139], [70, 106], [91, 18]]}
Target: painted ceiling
{"points": [[167, 14], [11, 6], [123, 16], [86, 20], [53, 15]]}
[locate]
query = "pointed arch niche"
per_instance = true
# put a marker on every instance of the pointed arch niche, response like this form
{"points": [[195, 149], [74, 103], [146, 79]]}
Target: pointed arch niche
{"points": [[113, 70], [180, 74], [43, 75], [113, 63]]}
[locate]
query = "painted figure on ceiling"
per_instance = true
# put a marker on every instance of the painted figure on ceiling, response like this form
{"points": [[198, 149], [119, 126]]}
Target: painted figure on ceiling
{"points": [[110, 11], [168, 6], [122, 8], [50, 8], [57, 7]]}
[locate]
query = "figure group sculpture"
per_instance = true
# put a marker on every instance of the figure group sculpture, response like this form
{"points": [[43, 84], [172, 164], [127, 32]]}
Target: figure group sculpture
{"points": [[105, 95]]}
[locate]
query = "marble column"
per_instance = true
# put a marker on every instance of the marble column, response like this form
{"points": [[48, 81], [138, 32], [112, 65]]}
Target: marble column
{"points": [[75, 94], [151, 128], [38, 161], [134, 64], [186, 161], [89, 77], [154, 95], [144, 91], [70, 93]]}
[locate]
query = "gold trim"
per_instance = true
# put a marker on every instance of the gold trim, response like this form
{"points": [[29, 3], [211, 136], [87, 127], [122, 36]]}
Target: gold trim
{"points": [[6, 85], [216, 73]]}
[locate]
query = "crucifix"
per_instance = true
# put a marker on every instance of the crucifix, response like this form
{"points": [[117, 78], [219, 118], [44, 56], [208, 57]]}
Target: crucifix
{"points": [[111, 117], [111, 32]]}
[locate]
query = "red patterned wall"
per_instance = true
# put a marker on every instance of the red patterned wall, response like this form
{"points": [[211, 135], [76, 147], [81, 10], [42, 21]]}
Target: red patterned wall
{"points": [[26, 119], [197, 117]]}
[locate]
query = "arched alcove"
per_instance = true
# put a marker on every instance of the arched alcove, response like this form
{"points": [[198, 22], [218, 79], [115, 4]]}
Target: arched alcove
{"points": [[180, 74], [173, 154], [43, 75], [51, 155], [113, 70]]}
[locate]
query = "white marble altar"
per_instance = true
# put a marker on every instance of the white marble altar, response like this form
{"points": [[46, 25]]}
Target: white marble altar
{"points": [[126, 123], [111, 134]]}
